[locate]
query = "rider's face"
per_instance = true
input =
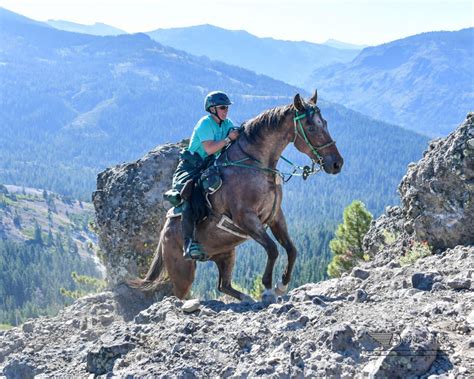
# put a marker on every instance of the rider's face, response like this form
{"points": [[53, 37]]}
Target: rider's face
{"points": [[222, 111]]}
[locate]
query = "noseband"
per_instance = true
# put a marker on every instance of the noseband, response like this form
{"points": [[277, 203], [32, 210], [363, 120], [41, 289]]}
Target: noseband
{"points": [[299, 131]]}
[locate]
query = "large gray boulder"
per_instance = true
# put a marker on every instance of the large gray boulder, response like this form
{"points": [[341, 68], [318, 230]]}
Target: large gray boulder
{"points": [[437, 196], [437, 193], [130, 211]]}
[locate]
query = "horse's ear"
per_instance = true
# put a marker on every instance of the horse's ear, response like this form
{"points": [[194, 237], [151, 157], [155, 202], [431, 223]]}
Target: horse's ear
{"points": [[314, 98], [299, 103]]}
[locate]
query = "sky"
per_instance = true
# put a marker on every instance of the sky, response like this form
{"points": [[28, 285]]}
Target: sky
{"points": [[369, 22]]}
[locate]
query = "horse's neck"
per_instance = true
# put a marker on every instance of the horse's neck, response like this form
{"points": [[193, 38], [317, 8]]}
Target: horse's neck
{"points": [[268, 148]]}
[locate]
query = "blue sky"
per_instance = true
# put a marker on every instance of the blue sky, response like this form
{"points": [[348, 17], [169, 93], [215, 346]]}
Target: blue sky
{"points": [[353, 21]]}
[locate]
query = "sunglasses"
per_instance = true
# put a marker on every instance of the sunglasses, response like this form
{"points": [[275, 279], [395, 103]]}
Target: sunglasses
{"points": [[222, 107]]}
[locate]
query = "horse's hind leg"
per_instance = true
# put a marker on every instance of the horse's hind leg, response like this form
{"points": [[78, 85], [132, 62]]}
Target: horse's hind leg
{"points": [[225, 264], [280, 231], [180, 271]]}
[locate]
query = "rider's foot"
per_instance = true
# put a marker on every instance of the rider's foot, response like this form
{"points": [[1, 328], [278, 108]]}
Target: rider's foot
{"points": [[194, 250]]}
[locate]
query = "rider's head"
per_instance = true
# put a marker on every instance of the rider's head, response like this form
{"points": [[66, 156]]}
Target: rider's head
{"points": [[217, 104]]}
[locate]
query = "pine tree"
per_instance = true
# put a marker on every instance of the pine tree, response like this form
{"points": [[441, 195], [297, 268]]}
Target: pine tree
{"points": [[347, 245]]}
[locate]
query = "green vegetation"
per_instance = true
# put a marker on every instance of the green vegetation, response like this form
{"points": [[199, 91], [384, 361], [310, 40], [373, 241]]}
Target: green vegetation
{"points": [[31, 275], [416, 251], [87, 285], [347, 246]]}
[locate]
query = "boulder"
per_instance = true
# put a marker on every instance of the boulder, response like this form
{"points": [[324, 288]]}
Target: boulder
{"points": [[130, 211], [437, 193]]}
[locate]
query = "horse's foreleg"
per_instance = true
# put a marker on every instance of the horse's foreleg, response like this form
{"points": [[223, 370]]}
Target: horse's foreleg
{"points": [[225, 264], [252, 226], [280, 231]]}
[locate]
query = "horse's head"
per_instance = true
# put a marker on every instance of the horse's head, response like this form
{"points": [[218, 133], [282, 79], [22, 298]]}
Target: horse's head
{"points": [[312, 135]]}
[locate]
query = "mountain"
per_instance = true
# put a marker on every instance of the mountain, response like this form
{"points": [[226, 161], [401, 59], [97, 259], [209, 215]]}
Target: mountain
{"points": [[424, 82], [97, 29], [343, 45], [72, 104], [289, 61]]}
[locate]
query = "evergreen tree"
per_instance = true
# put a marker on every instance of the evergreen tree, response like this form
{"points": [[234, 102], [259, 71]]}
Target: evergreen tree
{"points": [[347, 245]]}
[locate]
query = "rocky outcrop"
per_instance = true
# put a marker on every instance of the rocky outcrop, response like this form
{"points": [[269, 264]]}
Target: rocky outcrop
{"points": [[130, 211], [437, 193], [321, 329], [437, 201]]}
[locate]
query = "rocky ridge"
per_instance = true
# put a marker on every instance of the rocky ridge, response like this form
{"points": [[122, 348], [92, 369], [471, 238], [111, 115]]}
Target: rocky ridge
{"points": [[392, 316]]}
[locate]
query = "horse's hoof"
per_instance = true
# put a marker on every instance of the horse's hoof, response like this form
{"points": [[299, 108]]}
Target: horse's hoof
{"points": [[246, 299], [280, 289], [269, 297]]}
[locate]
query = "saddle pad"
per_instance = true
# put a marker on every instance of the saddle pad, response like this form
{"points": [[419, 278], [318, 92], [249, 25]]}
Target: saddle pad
{"points": [[225, 223]]}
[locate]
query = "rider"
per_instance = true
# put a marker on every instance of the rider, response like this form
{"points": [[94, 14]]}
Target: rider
{"points": [[211, 134]]}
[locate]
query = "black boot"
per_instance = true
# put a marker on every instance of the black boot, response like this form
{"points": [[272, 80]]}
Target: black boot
{"points": [[192, 249]]}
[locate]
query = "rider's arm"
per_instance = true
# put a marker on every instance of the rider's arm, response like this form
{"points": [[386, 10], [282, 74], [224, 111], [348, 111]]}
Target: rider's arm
{"points": [[213, 147]]}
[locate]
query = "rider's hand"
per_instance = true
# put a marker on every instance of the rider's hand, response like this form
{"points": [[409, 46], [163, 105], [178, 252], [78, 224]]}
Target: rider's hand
{"points": [[234, 134]]}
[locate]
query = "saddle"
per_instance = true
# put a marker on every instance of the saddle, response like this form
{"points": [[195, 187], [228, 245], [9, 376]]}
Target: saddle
{"points": [[197, 191]]}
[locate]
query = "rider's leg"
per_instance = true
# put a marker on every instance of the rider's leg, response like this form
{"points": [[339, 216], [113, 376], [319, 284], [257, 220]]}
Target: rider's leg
{"points": [[192, 249]]}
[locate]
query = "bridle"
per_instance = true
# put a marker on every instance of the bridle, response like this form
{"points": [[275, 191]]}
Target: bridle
{"points": [[299, 131]]}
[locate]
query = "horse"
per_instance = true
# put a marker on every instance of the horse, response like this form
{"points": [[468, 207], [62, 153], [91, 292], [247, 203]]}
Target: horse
{"points": [[250, 198]]}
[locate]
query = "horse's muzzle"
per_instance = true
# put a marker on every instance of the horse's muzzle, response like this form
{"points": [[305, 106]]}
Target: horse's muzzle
{"points": [[333, 165]]}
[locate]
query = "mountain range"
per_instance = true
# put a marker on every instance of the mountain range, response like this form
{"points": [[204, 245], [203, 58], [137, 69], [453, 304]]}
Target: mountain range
{"points": [[423, 82], [73, 104], [289, 61], [97, 29]]}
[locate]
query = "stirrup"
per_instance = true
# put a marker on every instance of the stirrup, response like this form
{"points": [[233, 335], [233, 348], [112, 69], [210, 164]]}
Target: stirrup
{"points": [[195, 251]]}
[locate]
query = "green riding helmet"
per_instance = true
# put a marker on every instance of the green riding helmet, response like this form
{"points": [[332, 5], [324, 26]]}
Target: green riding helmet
{"points": [[216, 98]]}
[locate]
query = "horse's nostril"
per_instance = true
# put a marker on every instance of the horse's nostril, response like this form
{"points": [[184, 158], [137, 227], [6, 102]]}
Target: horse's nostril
{"points": [[337, 166]]}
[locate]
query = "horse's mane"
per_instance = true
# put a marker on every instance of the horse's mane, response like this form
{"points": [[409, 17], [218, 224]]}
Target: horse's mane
{"points": [[265, 121]]}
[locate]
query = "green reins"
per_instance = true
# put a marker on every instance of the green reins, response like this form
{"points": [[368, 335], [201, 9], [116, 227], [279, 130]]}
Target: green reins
{"points": [[305, 171]]}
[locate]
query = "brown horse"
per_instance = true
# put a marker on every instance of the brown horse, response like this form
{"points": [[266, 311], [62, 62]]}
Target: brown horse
{"points": [[251, 197]]}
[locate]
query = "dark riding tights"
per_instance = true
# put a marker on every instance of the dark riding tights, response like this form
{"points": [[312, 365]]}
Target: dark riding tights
{"points": [[187, 222]]}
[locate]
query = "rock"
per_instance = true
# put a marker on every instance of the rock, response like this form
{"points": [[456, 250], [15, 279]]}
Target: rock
{"points": [[340, 338], [19, 369], [28, 327], [413, 356], [459, 283], [101, 360], [437, 193], [130, 211], [424, 280], [360, 273], [360, 296], [191, 305]]}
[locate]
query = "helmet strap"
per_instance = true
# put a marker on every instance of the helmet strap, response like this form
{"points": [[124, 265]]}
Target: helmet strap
{"points": [[214, 113]]}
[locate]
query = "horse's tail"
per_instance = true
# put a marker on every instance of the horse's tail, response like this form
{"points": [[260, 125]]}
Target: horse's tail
{"points": [[156, 278]]}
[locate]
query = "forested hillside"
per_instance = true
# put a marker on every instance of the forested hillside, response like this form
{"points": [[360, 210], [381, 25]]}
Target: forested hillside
{"points": [[44, 237], [423, 82]]}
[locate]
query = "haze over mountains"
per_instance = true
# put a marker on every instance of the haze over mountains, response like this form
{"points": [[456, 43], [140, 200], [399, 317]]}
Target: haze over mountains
{"points": [[289, 61], [400, 82], [97, 29]]}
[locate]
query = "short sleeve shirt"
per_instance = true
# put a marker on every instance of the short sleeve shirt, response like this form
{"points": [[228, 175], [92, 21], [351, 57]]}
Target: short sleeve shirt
{"points": [[207, 129]]}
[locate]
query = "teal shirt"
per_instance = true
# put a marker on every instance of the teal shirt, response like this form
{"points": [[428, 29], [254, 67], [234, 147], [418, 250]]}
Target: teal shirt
{"points": [[207, 129]]}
